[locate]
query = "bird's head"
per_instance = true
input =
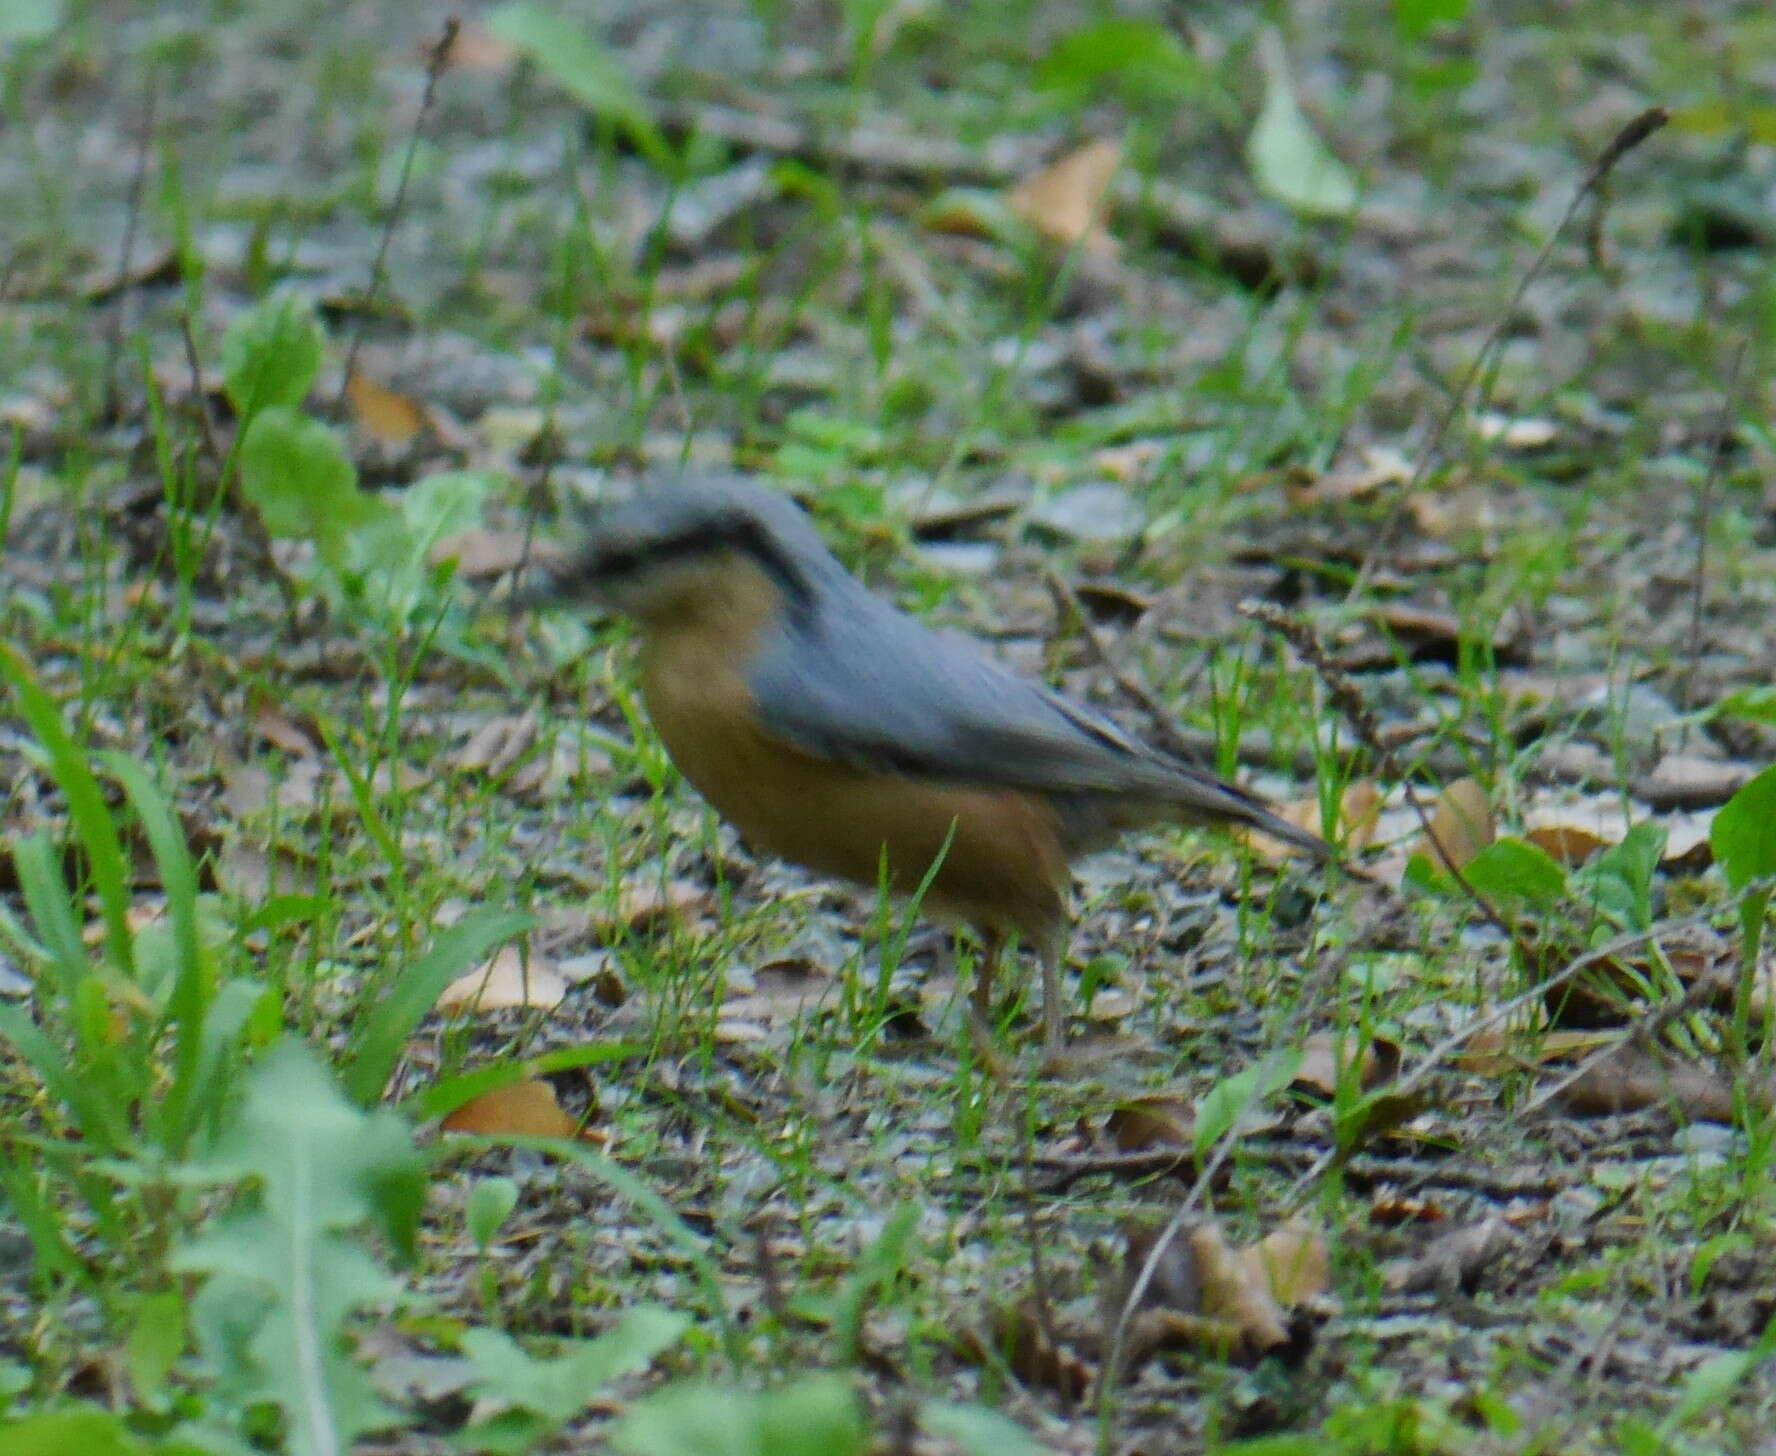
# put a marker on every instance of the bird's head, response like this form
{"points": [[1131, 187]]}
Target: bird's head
{"points": [[705, 550]]}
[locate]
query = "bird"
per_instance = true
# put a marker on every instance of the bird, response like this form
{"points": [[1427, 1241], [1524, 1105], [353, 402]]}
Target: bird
{"points": [[837, 732]]}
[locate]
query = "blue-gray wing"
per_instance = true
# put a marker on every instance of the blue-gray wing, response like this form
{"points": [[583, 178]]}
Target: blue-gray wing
{"points": [[863, 683]]}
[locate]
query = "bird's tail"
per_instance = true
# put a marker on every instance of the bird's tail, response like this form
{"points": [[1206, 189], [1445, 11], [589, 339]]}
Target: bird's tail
{"points": [[1202, 796]]}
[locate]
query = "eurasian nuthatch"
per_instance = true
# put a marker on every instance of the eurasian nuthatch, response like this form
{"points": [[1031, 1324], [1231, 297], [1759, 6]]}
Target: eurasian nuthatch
{"points": [[832, 730]]}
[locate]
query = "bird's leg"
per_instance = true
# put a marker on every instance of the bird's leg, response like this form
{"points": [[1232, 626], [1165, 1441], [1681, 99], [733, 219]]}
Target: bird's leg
{"points": [[984, 966], [1054, 1013]]}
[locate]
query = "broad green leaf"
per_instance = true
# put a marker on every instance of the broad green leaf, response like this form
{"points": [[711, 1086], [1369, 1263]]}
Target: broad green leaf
{"points": [[1220, 1111], [1757, 705], [444, 505], [1513, 869], [560, 1388], [592, 75], [155, 1341], [691, 1420], [1620, 879], [1415, 19], [271, 355], [1288, 160], [295, 473], [1138, 58], [1743, 835], [84, 1431], [815, 1415], [284, 1270], [490, 1204], [978, 1431]]}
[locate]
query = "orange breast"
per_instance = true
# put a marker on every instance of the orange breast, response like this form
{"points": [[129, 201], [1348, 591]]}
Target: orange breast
{"points": [[1005, 868]]}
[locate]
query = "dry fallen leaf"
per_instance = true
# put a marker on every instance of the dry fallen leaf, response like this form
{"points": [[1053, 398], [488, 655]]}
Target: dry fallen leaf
{"points": [[523, 1109], [1461, 824], [1689, 781], [1065, 201], [382, 414], [1359, 812], [1143, 1123], [1293, 1262], [476, 49], [643, 903], [481, 554], [1379, 466], [780, 994], [1020, 1340], [1494, 1052], [497, 744], [279, 730], [1378, 1060], [1633, 1080], [509, 979], [1451, 1261], [1565, 844]]}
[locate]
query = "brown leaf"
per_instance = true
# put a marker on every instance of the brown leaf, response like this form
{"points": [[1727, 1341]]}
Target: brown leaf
{"points": [[1160, 1121], [476, 49], [1688, 781], [1020, 1340], [1391, 1210], [1461, 824], [780, 994], [505, 981], [1292, 1262], [1359, 812], [495, 747], [1493, 1052], [1204, 1295], [1065, 201], [280, 731], [1565, 844], [249, 789], [523, 1109], [481, 554], [1379, 466], [643, 903], [1451, 1261], [1232, 1289], [1377, 1060], [383, 415], [1633, 1080]]}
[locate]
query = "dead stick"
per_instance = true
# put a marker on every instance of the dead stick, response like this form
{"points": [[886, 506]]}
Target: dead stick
{"points": [[1723, 430], [440, 58], [1629, 137], [138, 185]]}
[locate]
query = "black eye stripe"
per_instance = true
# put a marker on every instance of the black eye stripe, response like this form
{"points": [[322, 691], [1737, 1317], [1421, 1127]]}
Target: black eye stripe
{"points": [[703, 538]]}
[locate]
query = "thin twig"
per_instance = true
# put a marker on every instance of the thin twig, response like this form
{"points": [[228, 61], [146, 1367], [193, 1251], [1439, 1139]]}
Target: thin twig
{"points": [[1165, 728], [1643, 1033], [205, 415], [1357, 712], [1330, 968], [1723, 431], [435, 66], [1629, 137], [138, 185], [1434, 1059], [1033, 1231]]}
